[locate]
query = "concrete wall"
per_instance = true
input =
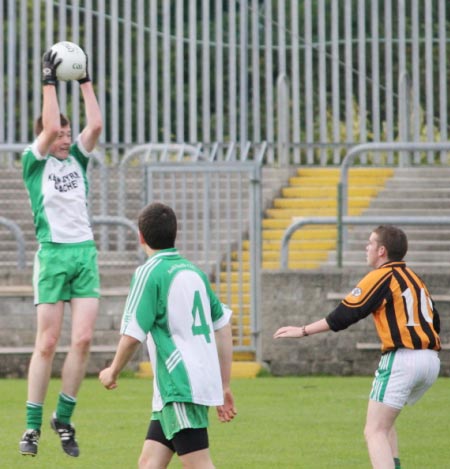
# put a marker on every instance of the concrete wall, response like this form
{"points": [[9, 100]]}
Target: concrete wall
{"points": [[18, 328], [289, 298], [300, 298]]}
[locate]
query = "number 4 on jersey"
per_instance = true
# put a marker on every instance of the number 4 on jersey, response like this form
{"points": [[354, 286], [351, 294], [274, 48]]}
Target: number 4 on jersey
{"points": [[200, 326]]}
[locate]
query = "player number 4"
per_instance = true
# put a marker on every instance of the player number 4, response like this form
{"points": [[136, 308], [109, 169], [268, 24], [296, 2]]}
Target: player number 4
{"points": [[199, 325]]}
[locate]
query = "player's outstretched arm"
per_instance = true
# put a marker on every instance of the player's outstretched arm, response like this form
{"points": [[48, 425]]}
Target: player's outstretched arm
{"points": [[50, 107], [302, 331], [224, 341], [125, 350]]}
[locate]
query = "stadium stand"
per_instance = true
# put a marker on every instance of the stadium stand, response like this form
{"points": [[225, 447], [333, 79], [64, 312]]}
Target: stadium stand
{"points": [[310, 192]]}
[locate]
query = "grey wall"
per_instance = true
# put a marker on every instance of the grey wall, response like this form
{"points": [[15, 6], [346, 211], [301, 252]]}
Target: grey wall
{"points": [[299, 298], [289, 298]]}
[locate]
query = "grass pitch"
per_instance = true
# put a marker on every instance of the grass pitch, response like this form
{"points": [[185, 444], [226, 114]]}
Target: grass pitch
{"points": [[297, 422]]}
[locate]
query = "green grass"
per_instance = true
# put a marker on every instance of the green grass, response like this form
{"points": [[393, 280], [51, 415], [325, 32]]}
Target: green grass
{"points": [[298, 422]]}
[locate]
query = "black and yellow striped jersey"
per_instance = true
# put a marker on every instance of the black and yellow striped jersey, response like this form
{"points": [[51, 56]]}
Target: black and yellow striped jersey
{"points": [[402, 308]]}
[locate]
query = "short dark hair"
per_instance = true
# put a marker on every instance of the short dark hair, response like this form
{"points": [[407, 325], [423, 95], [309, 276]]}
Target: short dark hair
{"points": [[158, 226], [38, 125], [394, 240]]}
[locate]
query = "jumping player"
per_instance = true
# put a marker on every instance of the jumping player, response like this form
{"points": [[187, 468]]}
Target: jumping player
{"points": [[65, 267]]}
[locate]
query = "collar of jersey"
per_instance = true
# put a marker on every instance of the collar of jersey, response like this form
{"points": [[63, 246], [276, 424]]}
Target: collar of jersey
{"points": [[392, 264], [170, 252]]}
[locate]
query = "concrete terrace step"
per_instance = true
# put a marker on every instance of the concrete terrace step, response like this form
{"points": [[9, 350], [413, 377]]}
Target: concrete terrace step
{"points": [[308, 212], [402, 204], [320, 193], [408, 212], [413, 245], [424, 172], [418, 183], [424, 233], [413, 193], [314, 204], [412, 256], [418, 266], [360, 172], [332, 181]]}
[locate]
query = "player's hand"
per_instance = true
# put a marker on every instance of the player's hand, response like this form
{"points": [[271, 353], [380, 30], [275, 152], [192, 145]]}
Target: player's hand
{"points": [[49, 65], [86, 77], [227, 411], [108, 379], [288, 332]]}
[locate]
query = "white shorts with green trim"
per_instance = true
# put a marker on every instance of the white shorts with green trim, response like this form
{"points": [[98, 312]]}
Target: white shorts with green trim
{"points": [[403, 376]]}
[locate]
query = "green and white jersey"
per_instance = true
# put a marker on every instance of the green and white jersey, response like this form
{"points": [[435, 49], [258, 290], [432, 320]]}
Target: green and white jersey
{"points": [[171, 303], [58, 194]]}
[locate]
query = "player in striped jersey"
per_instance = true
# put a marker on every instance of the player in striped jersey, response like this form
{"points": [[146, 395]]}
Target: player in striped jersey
{"points": [[188, 332], [407, 324]]}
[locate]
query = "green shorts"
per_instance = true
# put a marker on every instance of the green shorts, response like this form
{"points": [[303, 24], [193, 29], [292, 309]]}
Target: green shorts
{"points": [[65, 271], [177, 416]]}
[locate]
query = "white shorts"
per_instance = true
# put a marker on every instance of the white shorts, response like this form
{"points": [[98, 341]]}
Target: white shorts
{"points": [[403, 376]]}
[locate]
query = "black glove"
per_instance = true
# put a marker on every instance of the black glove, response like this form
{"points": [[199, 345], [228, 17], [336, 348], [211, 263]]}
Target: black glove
{"points": [[86, 77], [49, 66]]}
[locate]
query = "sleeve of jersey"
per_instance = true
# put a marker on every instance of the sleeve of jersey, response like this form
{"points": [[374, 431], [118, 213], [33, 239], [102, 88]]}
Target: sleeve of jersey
{"points": [[80, 153], [31, 158], [220, 312], [140, 308], [363, 300]]}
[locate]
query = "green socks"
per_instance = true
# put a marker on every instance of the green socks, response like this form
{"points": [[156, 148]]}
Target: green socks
{"points": [[34, 415], [397, 463], [65, 408]]}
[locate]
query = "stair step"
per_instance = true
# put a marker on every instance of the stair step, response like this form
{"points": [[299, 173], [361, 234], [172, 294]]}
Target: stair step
{"points": [[413, 245], [417, 183], [402, 204], [408, 212], [415, 233], [315, 204], [331, 192], [353, 172], [409, 192], [296, 255], [411, 256], [292, 264], [333, 181], [309, 212]]}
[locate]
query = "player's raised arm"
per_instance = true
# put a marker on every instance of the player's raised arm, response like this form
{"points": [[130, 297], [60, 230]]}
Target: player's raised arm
{"points": [[94, 122], [50, 107]]}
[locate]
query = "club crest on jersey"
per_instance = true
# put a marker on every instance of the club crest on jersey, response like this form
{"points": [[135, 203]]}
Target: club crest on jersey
{"points": [[356, 292]]}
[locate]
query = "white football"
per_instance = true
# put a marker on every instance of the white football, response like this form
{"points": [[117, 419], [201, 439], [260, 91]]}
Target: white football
{"points": [[73, 65]]}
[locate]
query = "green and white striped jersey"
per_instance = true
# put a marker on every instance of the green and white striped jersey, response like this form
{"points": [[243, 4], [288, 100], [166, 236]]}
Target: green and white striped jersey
{"points": [[58, 194], [171, 303]]}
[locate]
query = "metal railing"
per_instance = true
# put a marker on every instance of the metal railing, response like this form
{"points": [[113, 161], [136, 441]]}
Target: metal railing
{"points": [[304, 72], [372, 220], [342, 189], [121, 221], [342, 220], [20, 240]]}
